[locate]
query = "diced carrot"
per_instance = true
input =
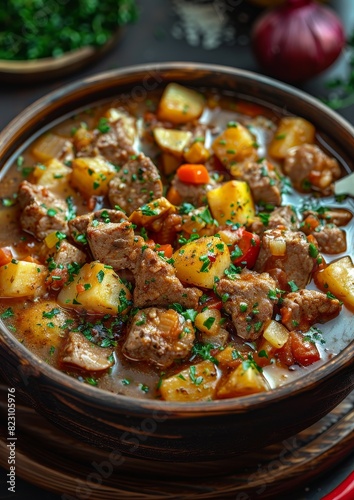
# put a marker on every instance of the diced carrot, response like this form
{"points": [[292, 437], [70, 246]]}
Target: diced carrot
{"points": [[5, 256], [193, 173], [285, 314], [311, 222], [312, 239], [166, 249]]}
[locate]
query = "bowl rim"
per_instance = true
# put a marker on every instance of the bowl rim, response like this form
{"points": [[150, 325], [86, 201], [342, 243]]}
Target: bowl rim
{"points": [[306, 382]]}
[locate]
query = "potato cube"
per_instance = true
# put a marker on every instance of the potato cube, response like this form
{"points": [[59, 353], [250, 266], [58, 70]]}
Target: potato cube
{"points": [[197, 153], [338, 278], [91, 176], [208, 321], [55, 176], [200, 261], [233, 202], [97, 289], [147, 214], [234, 144], [196, 383], [172, 141], [242, 381], [291, 131], [22, 279], [180, 104], [43, 323], [51, 173]]}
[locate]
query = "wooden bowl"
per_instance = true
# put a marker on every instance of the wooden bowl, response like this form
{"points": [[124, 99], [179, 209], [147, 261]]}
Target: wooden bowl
{"points": [[156, 429], [49, 68]]}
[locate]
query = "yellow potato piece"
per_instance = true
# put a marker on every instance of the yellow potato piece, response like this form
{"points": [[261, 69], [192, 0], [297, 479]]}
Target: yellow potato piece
{"points": [[55, 176], [43, 323], [208, 321], [338, 278], [197, 153], [201, 261], [196, 383], [234, 144], [150, 212], [233, 202], [242, 382], [172, 141], [97, 289], [22, 279], [180, 104], [91, 176], [291, 132]]}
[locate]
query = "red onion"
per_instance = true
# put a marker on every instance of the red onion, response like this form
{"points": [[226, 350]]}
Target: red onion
{"points": [[298, 40]]}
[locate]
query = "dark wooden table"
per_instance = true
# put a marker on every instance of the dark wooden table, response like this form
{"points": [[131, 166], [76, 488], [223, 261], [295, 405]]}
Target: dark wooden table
{"points": [[161, 35]]}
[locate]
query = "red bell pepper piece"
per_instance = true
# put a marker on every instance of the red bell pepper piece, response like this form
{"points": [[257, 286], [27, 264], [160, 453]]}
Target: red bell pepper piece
{"points": [[246, 250]]}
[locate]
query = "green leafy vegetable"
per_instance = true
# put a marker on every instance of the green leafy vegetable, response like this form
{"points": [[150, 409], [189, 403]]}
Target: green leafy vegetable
{"points": [[33, 30]]}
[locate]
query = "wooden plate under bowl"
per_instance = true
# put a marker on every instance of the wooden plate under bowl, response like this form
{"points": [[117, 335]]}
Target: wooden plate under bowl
{"points": [[52, 460]]}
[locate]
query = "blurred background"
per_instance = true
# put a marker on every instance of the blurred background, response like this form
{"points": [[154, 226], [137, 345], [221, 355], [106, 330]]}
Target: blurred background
{"points": [[210, 31]]}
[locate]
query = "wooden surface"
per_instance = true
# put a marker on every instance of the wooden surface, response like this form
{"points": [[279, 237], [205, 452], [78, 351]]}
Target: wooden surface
{"points": [[50, 459], [323, 461]]}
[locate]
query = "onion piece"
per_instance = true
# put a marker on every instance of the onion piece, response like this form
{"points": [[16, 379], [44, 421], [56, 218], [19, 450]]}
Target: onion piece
{"points": [[298, 40], [276, 334], [277, 247]]}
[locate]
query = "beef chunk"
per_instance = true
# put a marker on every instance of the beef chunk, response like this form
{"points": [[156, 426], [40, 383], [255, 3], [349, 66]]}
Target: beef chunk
{"points": [[193, 193], [308, 166], [159, 336], [156, 283], [284, 217], [42, 211], [81, 354], [115, 145], [295, 260], [114, 244], [263, 182], [136, 183], [78, 226], [249, 302], [68, 253], [304, 308], [329, 237], [337, 216]]}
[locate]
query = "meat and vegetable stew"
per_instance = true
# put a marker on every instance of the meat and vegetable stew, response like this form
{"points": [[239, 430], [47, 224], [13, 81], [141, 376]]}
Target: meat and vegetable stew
{"points": [[188, 248]]}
